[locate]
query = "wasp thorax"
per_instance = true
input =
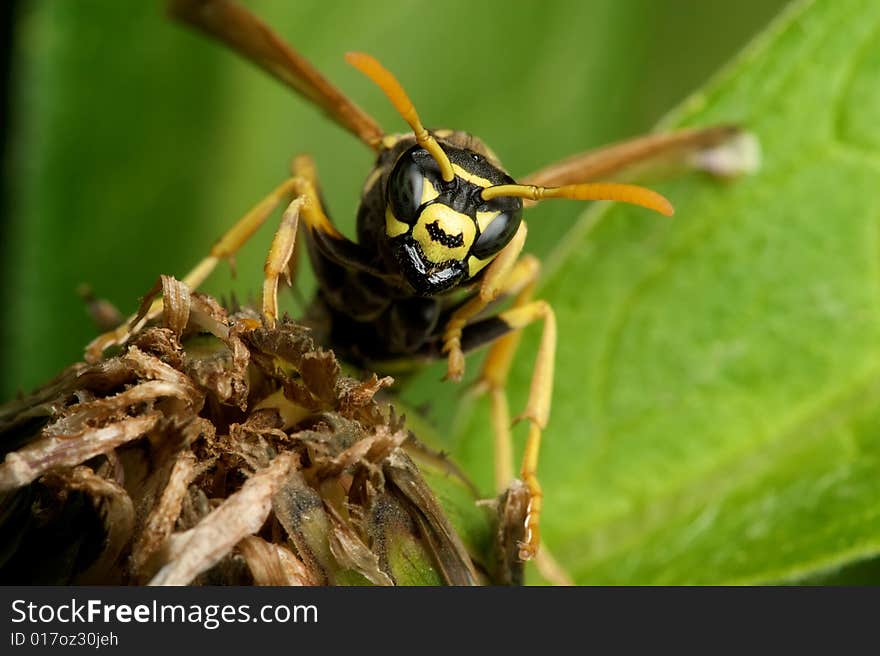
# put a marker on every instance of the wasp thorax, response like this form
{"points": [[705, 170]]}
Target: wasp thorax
{"points": [[443, 233]]}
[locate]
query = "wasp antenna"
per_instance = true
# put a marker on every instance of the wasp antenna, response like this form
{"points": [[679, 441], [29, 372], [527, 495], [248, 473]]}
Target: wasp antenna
{"points": [[391, 87], [624, 193]]}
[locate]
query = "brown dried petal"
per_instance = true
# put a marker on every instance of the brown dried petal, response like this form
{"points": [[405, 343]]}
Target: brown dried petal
{"points": [[357, 394], [51, 398], [319, 370], [207, 314], [160, 522], [80, 419], [152, 368], [373, 447], [296, 393], [175, 302], [351, 553], [215, 368], [242, 514], [223, 371], [25, 465], [288, 341], [273, 564], [116, 510], [104, 376], [162, 343], [510, 533], [42, 401], [238, 373]]}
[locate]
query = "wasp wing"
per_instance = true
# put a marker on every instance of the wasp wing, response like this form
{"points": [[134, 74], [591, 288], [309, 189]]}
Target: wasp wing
{"points": [[617, 158], [249, 36]]}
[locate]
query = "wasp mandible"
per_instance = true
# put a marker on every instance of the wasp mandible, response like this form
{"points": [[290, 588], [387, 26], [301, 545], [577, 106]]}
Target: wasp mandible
{"points": [[440, 236]]}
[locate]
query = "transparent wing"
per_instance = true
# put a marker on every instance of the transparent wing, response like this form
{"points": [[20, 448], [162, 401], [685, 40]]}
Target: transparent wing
{"points": [[617, 158]]}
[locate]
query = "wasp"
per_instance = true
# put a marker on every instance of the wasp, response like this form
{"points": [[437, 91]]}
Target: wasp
{"points": [[440, 237]]}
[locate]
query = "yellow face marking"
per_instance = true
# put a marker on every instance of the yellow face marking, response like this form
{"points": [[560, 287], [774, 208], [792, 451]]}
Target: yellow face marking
{"points": [[393, 227], [470, 177], [484, 219], [429, 192], [456, 226], [390, 140], [475, 265]]}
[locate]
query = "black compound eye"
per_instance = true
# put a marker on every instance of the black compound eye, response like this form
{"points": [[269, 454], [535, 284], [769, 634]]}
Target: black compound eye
{"points": [[497, 234], [405, 189]]}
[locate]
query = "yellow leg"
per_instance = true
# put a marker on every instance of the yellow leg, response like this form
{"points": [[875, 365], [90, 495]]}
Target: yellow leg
{"points": [[224, 248], [302, 184], [497, 273], [496, 366], [305, 181], [520, 279], [493, 380], [507, 275], [537, 410], [278, 258], [281, 258], [228, 245]]}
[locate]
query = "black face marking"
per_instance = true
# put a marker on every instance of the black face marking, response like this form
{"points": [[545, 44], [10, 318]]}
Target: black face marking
{"points": [[439, 235], [426, 279]]}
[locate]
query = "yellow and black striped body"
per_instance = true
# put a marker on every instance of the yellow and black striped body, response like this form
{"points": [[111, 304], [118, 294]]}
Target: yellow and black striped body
{"points": [[422, 243]]}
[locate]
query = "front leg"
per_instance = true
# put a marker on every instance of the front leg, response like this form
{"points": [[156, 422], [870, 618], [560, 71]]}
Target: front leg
{"points": [[302, 185], [494, 280], [503, 331]]}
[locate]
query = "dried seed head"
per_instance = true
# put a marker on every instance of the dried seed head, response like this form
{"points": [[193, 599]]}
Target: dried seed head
{"points": [[215, 449]]}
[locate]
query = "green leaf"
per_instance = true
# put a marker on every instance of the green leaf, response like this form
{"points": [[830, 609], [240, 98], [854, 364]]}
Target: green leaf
{"points": [[716, 413]]}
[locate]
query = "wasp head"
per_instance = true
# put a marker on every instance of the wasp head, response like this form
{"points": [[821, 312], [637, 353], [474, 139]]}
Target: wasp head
{"points": [[443, 233]]}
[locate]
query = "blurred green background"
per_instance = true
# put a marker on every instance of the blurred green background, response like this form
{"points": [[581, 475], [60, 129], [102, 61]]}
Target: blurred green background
{"points": [[133, 143]]}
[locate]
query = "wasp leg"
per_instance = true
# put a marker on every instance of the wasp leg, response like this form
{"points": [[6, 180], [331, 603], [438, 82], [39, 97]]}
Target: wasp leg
{"points": [[491, 286], [493, 380], [224, 248], [282, 257], [503, 329], [537, 409], [520, 282], [326, 238], [301, 185], [690, 147], [279, 257], [305, 181], [503, 275]]}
